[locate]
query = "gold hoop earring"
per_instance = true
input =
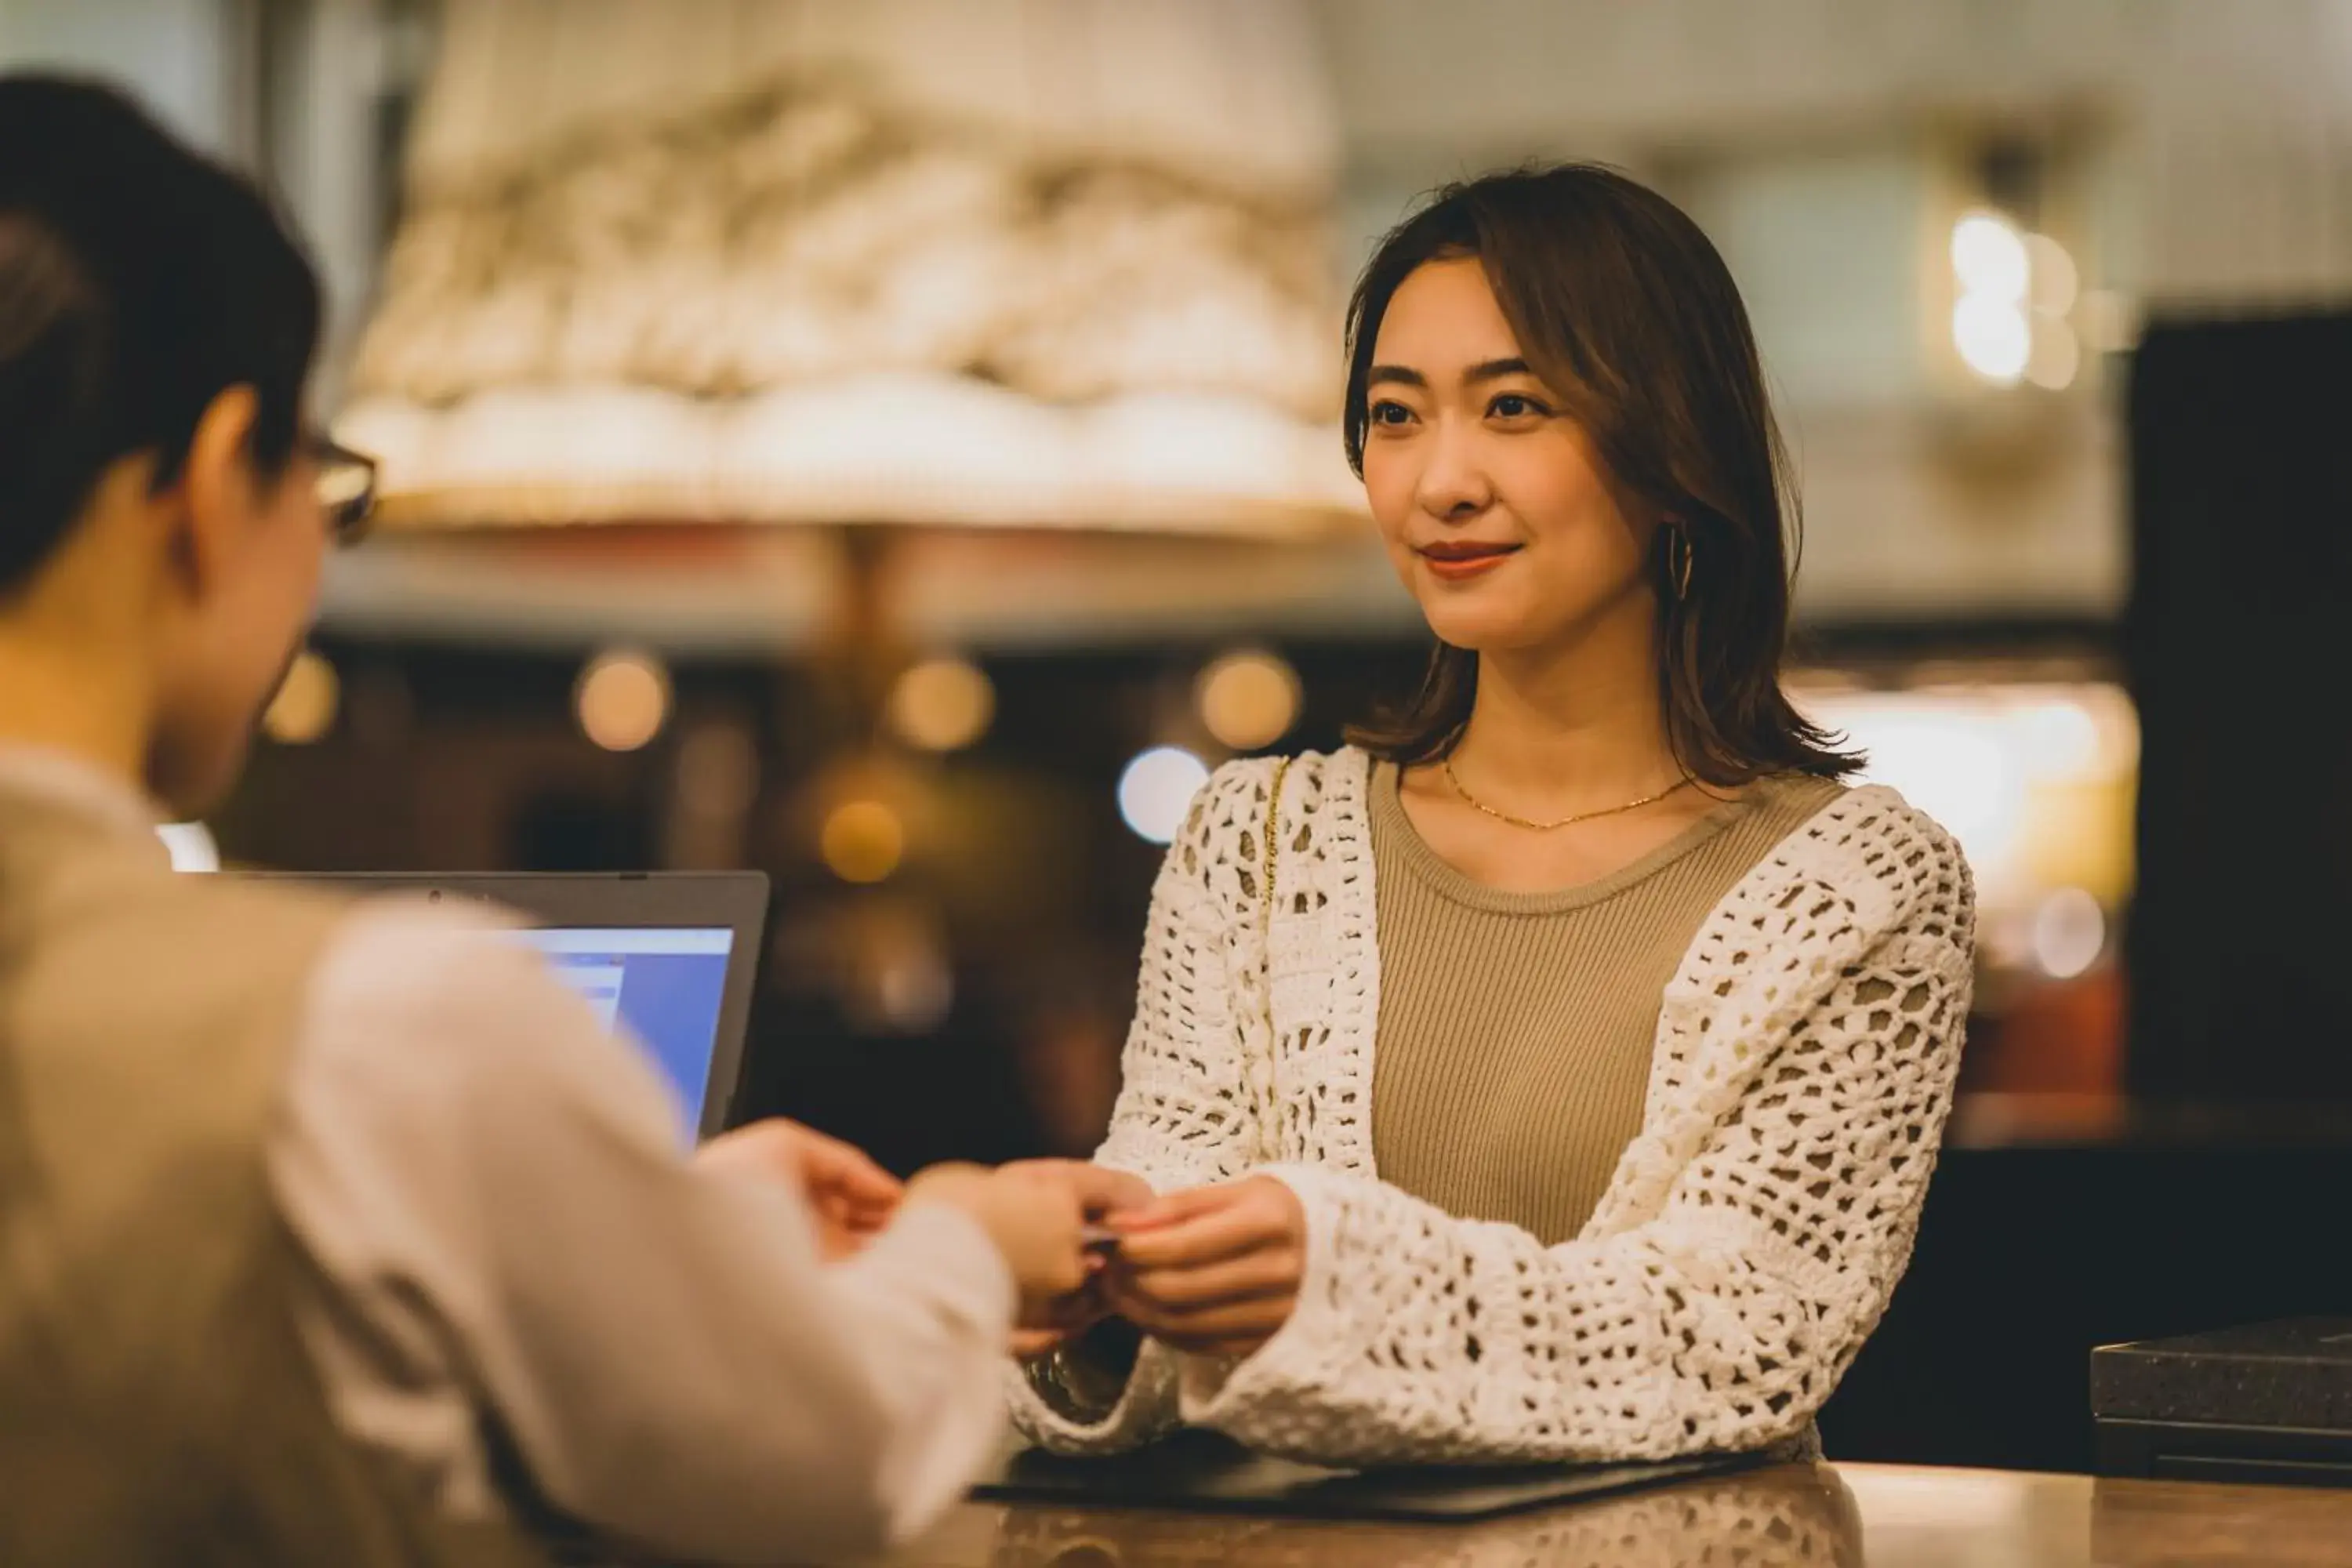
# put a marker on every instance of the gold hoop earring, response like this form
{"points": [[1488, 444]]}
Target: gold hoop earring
{"points": [[1678, 561]]}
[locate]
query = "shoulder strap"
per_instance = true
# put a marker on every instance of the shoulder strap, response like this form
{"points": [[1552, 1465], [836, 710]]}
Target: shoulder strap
{"points": [[1273, 845], [1261, 1062]]}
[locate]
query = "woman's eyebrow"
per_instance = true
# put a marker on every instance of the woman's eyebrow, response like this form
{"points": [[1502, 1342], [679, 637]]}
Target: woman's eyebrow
{"points": [[1486, 370], [1494, 370]]}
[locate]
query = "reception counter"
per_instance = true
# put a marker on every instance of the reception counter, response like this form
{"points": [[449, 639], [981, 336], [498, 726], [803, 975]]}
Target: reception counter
{"points": [[1840, 1515]]}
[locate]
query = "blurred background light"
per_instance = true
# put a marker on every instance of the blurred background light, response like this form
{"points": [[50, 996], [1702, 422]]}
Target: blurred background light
{"points": [[2070, 931], [623, 700], [304, 708], [2056, 738], [942, 705], [1992, 337], [2036, 780], [863, 841], [191, 845], [912, 987], [2052, 279], [1950, 765], [1157, 789], [1990, 258], [2054, 357], [1248, 699]]}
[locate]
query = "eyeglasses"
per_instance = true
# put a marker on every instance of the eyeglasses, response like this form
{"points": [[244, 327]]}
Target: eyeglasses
{"points": [[346, 488]]}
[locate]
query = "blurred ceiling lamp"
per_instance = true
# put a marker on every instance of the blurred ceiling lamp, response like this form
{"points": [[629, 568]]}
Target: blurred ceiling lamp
{"points": [[942, 705], [1992, 271], [1157, 790], [1248, 699], [2013, 292], [1031, 263], [1990, 258], [623, 699], [304, 708], [863, 841]]}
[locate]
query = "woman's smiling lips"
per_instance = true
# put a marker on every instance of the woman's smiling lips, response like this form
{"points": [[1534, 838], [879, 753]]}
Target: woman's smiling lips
{"points": [[1455, 560]]}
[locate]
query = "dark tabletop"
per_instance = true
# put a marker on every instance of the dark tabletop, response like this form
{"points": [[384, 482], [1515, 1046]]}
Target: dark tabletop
{"points": [[1891, 1516]]}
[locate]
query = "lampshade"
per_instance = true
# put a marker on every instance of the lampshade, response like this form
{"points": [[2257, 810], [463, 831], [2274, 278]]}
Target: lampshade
{"points": [[1029, 263]]}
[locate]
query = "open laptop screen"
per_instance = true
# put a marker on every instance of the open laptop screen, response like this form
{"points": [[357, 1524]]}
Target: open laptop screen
{"points": [[664, 984], [666, 956]]}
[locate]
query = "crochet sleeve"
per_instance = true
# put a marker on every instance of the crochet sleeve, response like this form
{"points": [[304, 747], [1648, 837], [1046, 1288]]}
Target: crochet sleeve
{"points": [[1720, 1321], [1187, 1114]]}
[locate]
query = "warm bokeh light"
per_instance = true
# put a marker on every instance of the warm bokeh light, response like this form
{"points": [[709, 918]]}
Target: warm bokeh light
{"points": [[2070, 931], [1158, 788], [623, 700], [2054, 278], [1248, 699], [2055, 356], [1992, 264], [863, 841], [304, 708], [942, 705], [2036, 780], [1990, 258], [913, 986], [1992, 337], [2057, 737]]}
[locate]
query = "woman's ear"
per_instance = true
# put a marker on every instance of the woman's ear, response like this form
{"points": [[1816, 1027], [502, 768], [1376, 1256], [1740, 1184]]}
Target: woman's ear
{"points": [[217, 491]]}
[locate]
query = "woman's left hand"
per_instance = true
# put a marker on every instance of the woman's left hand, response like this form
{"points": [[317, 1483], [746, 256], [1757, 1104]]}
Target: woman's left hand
{"points": [[1213, 1270]]}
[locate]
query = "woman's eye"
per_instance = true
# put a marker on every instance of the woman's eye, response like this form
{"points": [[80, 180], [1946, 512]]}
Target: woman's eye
{"points": [[1516, 406], [1387, 411]]}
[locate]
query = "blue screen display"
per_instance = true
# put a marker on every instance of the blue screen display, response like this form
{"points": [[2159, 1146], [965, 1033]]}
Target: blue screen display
{"points": [[661, 987]]}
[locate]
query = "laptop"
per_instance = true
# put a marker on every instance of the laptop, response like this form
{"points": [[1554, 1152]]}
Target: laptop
{"points": [[668, 956]]}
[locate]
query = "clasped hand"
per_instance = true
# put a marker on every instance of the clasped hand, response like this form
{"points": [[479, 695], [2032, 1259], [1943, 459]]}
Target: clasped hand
{"points": [[1210, 1270], [1213, 1270]]}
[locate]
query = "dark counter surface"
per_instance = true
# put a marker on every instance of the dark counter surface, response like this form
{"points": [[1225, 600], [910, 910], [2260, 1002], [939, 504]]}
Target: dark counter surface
{"points": [[1835, 1516], [2294, 1372]]}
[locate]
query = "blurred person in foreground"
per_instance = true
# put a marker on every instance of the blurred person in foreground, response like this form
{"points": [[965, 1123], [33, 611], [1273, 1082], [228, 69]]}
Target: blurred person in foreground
{"points": [[1556, 1072], [334, 1232]]}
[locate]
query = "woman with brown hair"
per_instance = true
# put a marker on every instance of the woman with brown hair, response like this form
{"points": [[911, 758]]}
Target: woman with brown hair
{"points": [[1555, 1072]]}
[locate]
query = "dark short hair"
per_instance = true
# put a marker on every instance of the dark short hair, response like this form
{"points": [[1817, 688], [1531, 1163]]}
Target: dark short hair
{"points": [[139, 280], [1625, 311]]}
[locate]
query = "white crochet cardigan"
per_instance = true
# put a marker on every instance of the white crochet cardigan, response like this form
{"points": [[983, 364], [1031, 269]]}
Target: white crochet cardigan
{"points": [[1746, 1246]]}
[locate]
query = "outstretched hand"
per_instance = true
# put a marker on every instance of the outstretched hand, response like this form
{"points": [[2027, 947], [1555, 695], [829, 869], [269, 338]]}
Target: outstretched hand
{"points": [[850, 1197]]}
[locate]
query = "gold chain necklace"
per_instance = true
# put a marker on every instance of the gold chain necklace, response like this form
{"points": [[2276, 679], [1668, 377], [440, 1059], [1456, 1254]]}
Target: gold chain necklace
{"points": [[1476, 804]]}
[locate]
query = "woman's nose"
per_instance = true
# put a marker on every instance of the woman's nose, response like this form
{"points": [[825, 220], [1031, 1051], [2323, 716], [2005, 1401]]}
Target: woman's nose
{"points": [[1453, 482]]}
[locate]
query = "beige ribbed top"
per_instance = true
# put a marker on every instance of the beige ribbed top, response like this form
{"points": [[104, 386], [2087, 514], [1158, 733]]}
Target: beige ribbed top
{"points": [[1515, 1029]]}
